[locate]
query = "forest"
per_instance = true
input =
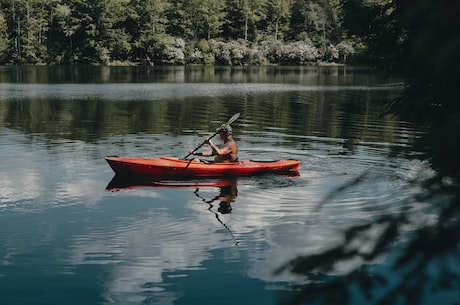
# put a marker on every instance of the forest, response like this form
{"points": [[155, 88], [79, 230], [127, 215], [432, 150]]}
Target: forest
{"points": [[179, 32]]}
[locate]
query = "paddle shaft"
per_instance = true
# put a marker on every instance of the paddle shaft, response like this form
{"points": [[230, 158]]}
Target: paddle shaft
{"points": [[199, 146], [231, 120]]}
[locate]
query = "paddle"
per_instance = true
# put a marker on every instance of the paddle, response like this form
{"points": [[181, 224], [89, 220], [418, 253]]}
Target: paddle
{"points": [[231, 120]]}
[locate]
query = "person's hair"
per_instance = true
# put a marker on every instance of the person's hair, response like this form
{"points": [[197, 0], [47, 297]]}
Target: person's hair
{"points": [[227, 129]]}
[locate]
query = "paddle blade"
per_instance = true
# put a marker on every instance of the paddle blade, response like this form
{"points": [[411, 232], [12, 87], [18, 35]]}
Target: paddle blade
{"points": [[231, 120]]}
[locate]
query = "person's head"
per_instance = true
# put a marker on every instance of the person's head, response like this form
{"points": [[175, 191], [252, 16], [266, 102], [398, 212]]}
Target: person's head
{"points": [[226, 131], [224, 207]]}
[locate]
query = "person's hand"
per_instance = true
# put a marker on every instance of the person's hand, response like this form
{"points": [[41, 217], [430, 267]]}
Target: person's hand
{"points": [[208, 141]]}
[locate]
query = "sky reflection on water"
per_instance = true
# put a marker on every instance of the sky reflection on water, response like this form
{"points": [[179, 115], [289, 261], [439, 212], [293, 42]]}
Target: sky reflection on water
{"points": [[144, 240], [155, 91], [68, 240]]}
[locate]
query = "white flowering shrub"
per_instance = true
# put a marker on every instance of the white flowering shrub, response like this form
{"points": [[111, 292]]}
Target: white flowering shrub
{"points": [[195, 57], [298, 53], [171, 50]]}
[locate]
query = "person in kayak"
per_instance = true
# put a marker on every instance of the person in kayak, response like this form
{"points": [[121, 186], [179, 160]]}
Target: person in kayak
{"points": [[226, 153]]}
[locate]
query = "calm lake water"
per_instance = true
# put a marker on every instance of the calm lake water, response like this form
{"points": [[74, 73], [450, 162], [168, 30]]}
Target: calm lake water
{"points": [[65, 239]]}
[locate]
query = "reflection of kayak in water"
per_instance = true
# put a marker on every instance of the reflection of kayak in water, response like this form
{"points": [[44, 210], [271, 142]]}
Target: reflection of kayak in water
{"points": [[227, 190], [119, 182], [174, 167]]}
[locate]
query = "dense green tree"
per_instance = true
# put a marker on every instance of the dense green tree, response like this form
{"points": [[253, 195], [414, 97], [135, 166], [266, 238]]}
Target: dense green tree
{"points": [[243, 17], [195, 19], [66, 26], [378, 26], [253, 12], [4, 41], [211, 19], [176, 16], [101, 34], [318, 21], [146, 24], [28, 21], [85, 15], [111, 31], [278, 13], [118, 42], [234, 21]]}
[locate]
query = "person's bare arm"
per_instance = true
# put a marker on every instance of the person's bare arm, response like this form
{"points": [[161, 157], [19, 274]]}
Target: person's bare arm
{"points": [[223, 151]]}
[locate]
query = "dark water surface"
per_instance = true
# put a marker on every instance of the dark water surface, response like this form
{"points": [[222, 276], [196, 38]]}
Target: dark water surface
{"points": [[65, 239]]}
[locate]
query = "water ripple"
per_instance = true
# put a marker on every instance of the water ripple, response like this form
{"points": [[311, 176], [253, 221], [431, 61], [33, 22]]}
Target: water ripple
{"points": [[154, 91], [146, 243]]}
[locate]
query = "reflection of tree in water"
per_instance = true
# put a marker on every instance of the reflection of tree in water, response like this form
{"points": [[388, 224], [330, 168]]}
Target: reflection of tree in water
{"points": [[427, 260]]}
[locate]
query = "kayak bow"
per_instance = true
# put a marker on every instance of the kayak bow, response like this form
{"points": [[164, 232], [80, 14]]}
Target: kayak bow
{"points": [[175, 167]]}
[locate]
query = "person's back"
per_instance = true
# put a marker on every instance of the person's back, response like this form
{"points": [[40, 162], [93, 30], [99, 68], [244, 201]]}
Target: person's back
{"points": [[229, 152]]}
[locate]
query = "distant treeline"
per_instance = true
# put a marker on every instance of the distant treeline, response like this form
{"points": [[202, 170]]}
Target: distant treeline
{"points": [[224, 32]]}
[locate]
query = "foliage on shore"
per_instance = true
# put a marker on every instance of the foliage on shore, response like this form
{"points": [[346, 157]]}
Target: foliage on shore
{"points": [[420, 44], [179, 32]]}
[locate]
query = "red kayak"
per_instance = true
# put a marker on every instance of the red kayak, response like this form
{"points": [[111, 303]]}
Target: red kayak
{"points": [[178, 168]]}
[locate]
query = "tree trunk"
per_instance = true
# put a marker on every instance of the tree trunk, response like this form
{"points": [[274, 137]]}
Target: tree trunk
{"points": [[276, 29], [246, 29]]}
